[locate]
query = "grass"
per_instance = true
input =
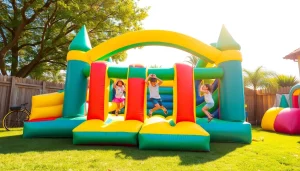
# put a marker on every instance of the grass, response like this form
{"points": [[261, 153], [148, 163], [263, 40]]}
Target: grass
{"points": [[276, 152]]}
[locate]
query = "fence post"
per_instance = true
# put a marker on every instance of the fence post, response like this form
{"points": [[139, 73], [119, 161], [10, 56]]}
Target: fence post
{"points": [[44, 88], [12, 93]]}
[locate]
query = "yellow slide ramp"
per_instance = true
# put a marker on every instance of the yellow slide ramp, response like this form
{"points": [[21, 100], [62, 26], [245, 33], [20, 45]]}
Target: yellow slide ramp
{"points": [[47, 106]]}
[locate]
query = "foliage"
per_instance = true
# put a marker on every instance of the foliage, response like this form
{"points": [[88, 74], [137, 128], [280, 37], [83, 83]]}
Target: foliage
{"points": [[155, 66], [34, 35], [276, 152], [193, 60], [286, 80], [259, 79]]}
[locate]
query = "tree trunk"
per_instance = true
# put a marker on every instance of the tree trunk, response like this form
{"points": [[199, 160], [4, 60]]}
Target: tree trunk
{"points": [[2, 64], [14, 60], [255, 104], [25, 71]]}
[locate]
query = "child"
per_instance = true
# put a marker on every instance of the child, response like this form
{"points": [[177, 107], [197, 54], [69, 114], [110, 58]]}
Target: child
{"points": [[154, 93], [119, 99], [207, 90]]}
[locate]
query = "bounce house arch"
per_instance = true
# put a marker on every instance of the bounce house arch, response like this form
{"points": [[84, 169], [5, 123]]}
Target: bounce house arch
{"points": [[154, 37]]}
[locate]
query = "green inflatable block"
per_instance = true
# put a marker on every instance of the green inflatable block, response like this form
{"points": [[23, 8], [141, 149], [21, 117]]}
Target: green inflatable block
{"points": [[81, 41], [117, 72], [208, 73], [283, 102], [226, 41], [226, 131], [162, 73], [86, 71], [137, 73], [61, 127], [106, 138], [174, 142]]}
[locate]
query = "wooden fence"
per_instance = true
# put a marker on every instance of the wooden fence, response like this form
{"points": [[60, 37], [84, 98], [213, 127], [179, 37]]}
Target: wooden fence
{"points": [[15, 91], [265, 100]]}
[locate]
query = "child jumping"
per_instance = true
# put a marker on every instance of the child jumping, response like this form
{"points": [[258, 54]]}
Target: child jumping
{"points": [[119, 99], [207, 90], [154, 93]]}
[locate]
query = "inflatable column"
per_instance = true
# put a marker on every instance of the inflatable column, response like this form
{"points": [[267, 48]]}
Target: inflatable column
{"points": [[231, 84], [77, 72]]}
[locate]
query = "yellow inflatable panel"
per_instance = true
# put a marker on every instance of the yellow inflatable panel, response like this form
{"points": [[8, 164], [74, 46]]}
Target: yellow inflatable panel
{"points": [[46, 100], [269, 117], [157, 125], [46, 112], [116, 126], [229, 55], [154, 37], [174, 116], [78, 55], [169, 83]]}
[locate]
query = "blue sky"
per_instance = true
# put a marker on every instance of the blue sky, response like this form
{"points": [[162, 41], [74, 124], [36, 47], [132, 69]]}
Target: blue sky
{"points": [[266, 30]]}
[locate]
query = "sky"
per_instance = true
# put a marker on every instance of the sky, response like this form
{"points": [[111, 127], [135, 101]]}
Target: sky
{"points": [[266, 30]]}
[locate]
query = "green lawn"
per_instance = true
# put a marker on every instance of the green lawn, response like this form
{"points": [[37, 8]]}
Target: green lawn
{"points": [[276, 152]]}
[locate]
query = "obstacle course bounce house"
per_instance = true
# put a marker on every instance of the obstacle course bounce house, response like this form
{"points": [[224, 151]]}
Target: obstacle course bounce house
{"points": [[284, 119], [62, 114]]}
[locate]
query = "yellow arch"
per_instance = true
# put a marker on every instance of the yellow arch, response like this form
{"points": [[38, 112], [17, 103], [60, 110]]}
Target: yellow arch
{"points": [[154, 37]]}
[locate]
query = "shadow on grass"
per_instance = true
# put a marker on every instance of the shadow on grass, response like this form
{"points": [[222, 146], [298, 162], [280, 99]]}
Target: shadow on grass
{"points": [[218, 150], [17, 144]]}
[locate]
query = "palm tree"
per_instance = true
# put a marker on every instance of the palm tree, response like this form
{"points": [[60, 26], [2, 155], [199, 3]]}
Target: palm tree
{"points": [[192, 60], [259, 79], [155, 66], [286, 80]]}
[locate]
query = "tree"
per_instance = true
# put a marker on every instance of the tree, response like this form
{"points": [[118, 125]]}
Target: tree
{"points": [[155, 66], [286, 80], [192, 60], [258, 79], [36, 34]]}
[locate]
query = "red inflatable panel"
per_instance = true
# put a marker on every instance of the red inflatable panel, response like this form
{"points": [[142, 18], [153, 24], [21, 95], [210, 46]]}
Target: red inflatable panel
{"points": [[185, 90], [288, 121], [295, 101], [41, 119], [135, 99], [96, 91]]}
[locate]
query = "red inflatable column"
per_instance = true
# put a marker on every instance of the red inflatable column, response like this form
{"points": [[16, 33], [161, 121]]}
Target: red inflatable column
{"points": [[295, 101], [97, 91], [185, 93], [136, 94]]}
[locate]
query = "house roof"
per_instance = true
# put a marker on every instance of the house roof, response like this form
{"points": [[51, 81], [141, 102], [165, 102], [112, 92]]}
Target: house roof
{"points": [[293, 55]]}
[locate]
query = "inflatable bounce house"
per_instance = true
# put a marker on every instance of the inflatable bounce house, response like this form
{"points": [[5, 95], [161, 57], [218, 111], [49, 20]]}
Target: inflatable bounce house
{"points": [[62, 114], [284, 119]]}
